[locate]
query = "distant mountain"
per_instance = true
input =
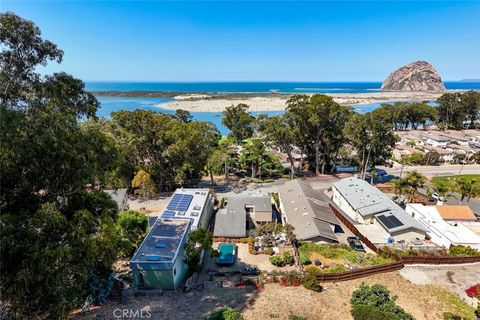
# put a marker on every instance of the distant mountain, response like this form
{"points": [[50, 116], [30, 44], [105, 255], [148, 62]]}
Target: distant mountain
{"points": [[470, 80], [416, 76]]}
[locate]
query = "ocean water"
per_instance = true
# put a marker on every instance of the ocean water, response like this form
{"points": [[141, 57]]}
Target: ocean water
{"points": [[282, 87], [110, 104]]}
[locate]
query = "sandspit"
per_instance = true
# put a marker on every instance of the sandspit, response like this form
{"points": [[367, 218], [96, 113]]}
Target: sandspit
{"points": [[277, 102]]}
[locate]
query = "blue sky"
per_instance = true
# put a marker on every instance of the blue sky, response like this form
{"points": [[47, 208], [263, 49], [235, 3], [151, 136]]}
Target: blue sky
{"points": [[260, 41]]}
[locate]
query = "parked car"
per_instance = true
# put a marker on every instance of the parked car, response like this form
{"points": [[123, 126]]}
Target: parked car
{"points": [[381, 173], [438, 198], [356, 245]]}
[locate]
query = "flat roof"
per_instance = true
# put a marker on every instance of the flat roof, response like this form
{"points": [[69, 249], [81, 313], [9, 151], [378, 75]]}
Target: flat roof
{"points": [[449, 212], [441, 232], [187, 204], [163, 241], [368, 200]]}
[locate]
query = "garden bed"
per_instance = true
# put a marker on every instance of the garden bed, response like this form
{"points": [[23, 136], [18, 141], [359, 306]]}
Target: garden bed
{"points": [[339, 258]]}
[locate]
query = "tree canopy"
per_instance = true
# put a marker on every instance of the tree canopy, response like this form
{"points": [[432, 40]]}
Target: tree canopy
{"points": [[239, 122]]}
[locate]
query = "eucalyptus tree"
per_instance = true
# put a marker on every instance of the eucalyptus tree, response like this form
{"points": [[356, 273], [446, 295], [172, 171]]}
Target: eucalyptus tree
{"points": [[239, 121], [279, 132], [58, 234], [320, 122]]}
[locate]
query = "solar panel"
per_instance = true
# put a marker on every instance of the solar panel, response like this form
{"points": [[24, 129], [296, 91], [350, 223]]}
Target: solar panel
{"points": [[395, 221], [385, 221], [389, 222], [168, 214], [180, 202]]}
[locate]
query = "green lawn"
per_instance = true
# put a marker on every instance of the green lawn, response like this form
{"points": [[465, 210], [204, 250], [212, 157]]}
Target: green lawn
{"points": [[448, 178]]}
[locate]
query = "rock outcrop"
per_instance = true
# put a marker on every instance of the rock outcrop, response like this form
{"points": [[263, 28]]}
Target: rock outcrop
{"points": [[416, 76]]}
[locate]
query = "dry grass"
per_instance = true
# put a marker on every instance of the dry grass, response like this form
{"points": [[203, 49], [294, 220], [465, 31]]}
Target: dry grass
{"points": [[277, 302]]}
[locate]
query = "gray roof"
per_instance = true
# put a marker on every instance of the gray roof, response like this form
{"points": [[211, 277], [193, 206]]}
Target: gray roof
{"points": [[231, 221], [117, 195], [436, 137], [368, 200], [306, 211], [162, 243]]}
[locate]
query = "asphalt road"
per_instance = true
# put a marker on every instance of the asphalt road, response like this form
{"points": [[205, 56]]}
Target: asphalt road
{"points": [[434, 171]]}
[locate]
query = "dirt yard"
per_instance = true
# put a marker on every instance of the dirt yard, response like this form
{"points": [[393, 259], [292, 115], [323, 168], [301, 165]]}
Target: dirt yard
{"points": [[277, 302], [454, 279]]}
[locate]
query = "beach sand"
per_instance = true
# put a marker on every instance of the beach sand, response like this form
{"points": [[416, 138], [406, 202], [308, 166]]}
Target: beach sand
{"points": [[205, 103]]}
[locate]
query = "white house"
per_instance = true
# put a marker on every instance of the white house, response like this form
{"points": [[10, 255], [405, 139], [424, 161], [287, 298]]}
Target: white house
{"points": [[366, 205], [436, 140], [441, 232]]}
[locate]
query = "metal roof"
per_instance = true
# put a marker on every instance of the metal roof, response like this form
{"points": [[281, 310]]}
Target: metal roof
{"points": [[368, 200], [306, 211]]}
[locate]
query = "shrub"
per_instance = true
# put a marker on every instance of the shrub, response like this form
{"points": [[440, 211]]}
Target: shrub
{"points": [[313, 270], [226, 313], [296, 318], [463, 251], [310, 281], [304, 259], [276, 260], [366, 312], [215, 253], [376, 297], [268, 251], [287, 258]]}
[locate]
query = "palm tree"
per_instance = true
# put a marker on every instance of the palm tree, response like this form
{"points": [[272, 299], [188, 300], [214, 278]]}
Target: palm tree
{"points": [[442, 188], [415, 179], [468, 187], [400, 186]]}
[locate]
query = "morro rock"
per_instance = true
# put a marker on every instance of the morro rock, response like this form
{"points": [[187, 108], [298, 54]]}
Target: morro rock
{"points": [[416, 76]]}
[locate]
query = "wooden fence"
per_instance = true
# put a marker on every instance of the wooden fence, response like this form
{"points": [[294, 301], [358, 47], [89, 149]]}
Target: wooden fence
{"points": [[439, 260], [349, 275], [351, 227]]}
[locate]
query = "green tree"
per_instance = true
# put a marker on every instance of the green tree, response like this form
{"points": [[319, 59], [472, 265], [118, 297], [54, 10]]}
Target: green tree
{"points": [[372, 136], [320, 122], [182, 116], [441, 187], [132, 227], [200, 239], [58, 236], [239, 121], [467, 187], [144, 184], [470, 102], [172, 151], [450, 112], [253, 155], [279, 132]]}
